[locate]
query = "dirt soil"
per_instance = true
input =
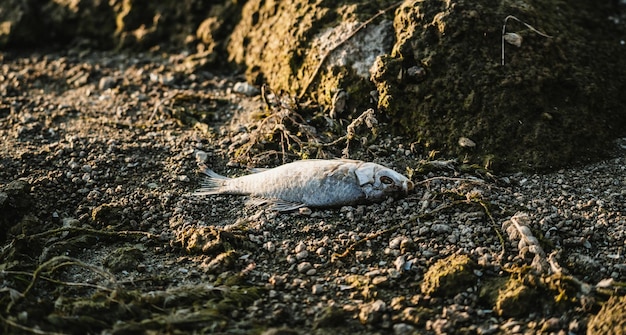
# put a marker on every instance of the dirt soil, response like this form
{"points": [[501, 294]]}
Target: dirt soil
{"points": [[99, 152]]}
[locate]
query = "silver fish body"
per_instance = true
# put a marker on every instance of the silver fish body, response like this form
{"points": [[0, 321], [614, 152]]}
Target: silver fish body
{"points": [[312, 183]]}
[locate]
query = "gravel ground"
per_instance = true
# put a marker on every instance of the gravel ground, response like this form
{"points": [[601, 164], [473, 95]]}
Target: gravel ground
{"points": [[106, 147]]}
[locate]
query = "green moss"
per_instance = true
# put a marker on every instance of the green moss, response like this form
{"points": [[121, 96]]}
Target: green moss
{"points": [[271, 38], [490, 289], [416, 315], [107, 214], [515, 298], [467, 93], [124, 258], [449, 276], [331, 316], [611, 319]]}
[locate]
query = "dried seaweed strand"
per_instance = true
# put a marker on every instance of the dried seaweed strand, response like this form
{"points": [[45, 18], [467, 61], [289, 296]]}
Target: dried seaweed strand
{"points": [[469, 180], [27, 329], [329, 51], [56, 263], [366, 117], [517, 227], [280, 115], [494, 226], [99, 287], [121, 233]]}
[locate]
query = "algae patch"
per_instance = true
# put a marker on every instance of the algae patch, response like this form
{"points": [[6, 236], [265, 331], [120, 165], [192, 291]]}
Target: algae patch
{"points": [[515, 298], [124, 259], [449, 276], [611, 319]]}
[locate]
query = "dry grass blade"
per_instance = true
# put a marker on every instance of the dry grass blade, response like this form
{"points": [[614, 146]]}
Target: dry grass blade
{"points": [[504, 33]]}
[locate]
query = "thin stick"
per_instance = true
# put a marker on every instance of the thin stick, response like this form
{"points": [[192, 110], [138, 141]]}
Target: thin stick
{"points": [[494, 226], [525, 24], [329, 51]]}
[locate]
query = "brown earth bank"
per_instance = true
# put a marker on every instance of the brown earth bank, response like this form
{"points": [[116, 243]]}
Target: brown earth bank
{"points": [[508, 85]]}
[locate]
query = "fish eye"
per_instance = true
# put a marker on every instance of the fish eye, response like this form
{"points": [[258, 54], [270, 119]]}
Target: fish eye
{"points": [[386, 180]]}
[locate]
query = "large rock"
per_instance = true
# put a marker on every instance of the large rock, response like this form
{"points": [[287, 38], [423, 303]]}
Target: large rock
{"points": [[91, 21], [129, 24], [144, 23], [17, 23], [556, 100], [283, 43]]}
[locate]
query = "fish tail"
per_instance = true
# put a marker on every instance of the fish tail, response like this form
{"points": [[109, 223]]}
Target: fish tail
{"points": [[213, 183]]}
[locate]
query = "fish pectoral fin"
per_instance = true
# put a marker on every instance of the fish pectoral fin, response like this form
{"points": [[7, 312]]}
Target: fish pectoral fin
{"points": [[278, 205], [284, 206]]}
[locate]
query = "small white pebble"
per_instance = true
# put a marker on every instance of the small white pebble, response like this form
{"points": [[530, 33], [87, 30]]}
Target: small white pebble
{"points": [[201, 156], [269, 246]]}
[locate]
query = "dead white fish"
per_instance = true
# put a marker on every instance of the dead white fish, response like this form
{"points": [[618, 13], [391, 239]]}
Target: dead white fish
{"points": [[312, 183]]}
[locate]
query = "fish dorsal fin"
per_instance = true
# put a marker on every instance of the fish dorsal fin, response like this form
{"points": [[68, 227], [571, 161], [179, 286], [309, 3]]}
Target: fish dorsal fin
{"points": [[365, 174], [257, 170]]}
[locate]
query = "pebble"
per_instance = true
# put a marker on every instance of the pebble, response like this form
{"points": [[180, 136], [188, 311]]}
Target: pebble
{"points": [[399, 262], [106, 83], [317, 289], [371, 313], [304, 267], [466, 142], [246, 89], [441, 228], [487, 329], [403, 329], [300, 247], [201, 156], [305, 211], [302, 255], [551, 324], [269, 246], [397, 241]]}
